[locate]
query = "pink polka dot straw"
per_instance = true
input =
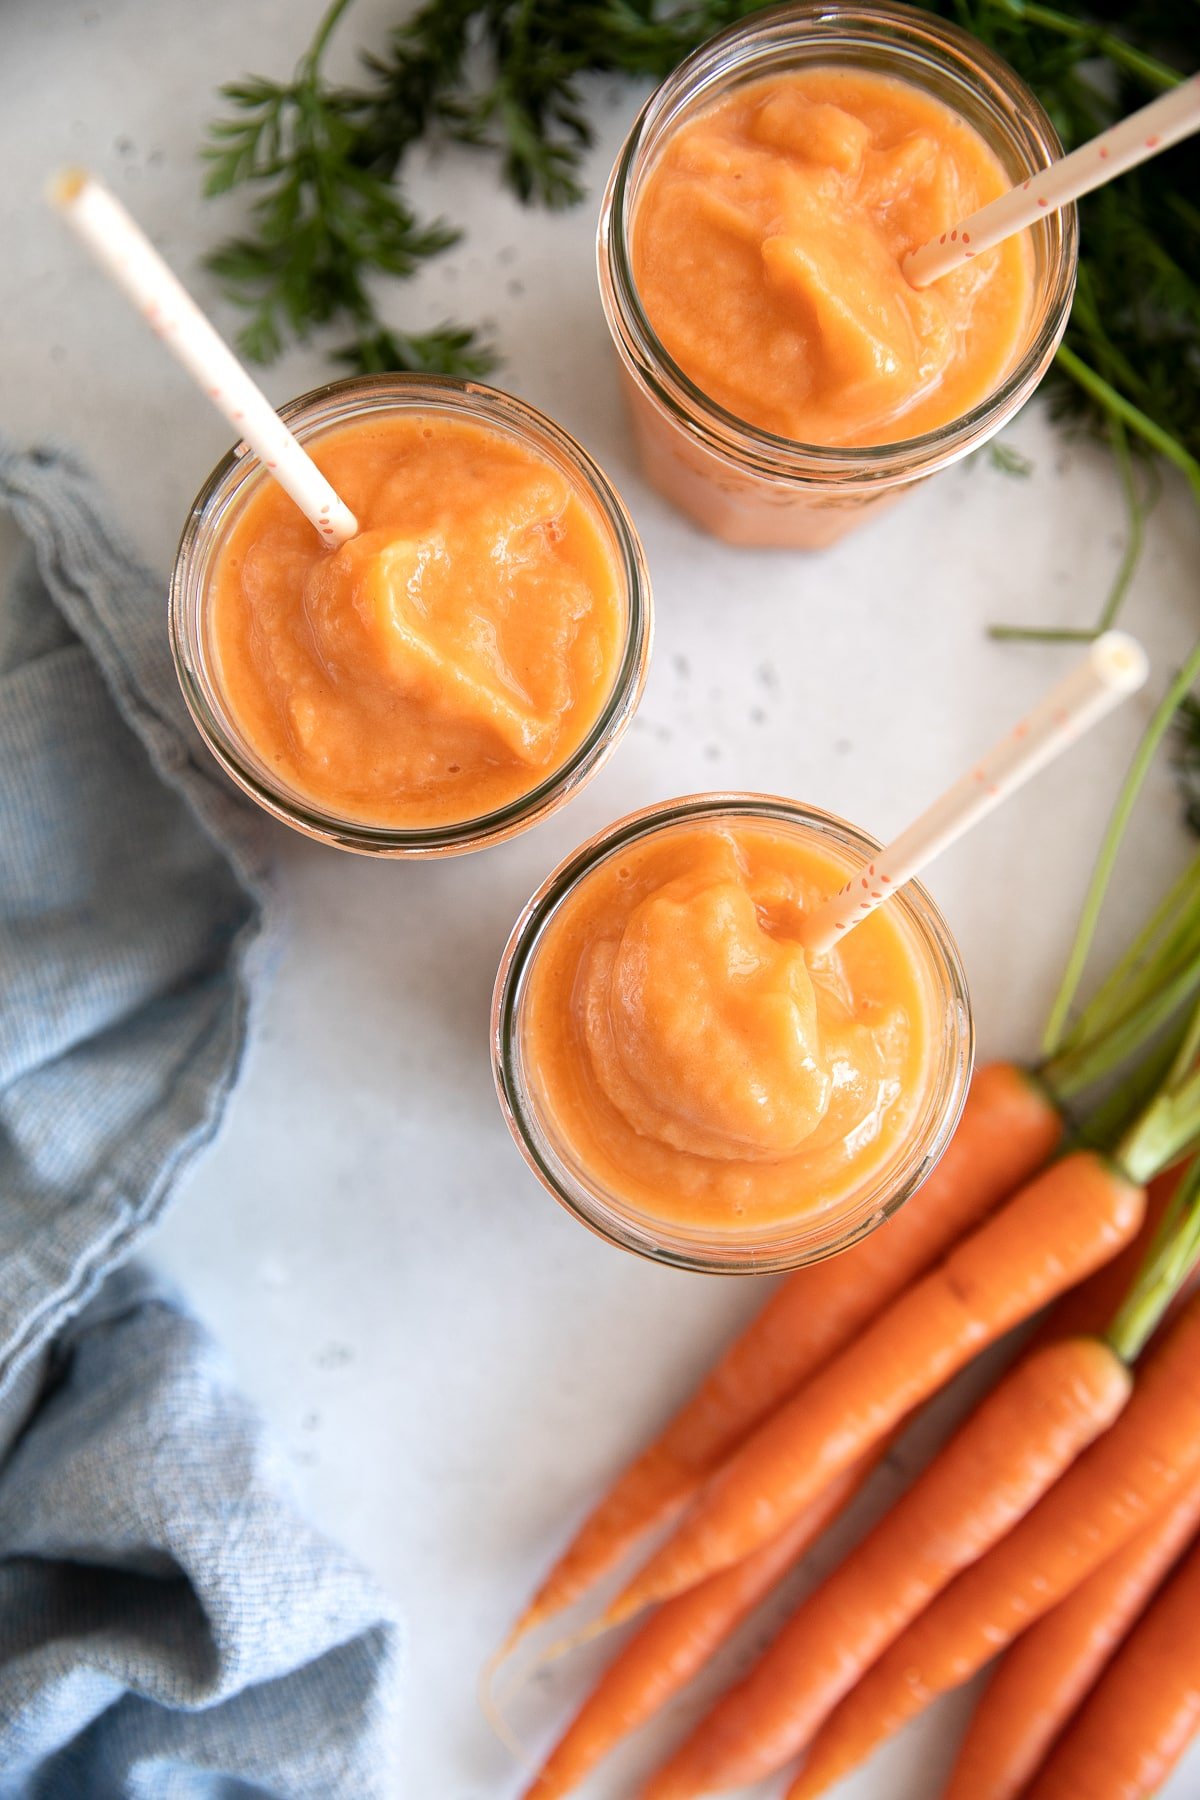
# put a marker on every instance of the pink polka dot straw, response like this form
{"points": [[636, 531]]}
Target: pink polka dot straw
{"points": [[1143, 134], [125, 253], [1114, 667]]}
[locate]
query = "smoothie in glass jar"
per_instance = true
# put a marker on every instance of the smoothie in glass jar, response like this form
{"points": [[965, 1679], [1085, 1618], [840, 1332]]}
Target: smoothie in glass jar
{"points": [[454, 669], [784, 375], [684, 1075], [768, 244]]}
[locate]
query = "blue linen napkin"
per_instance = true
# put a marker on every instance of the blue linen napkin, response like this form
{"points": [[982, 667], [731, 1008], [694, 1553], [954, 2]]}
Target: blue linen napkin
{"points": [[170, 1625]]}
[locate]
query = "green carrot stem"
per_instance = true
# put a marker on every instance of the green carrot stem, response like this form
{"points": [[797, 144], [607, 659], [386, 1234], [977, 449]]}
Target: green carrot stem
{"points": [[1130, 1008], [1188, 1051], [1168, 1127], [324, 32], [1044, 634], [1072, 1076], [1105, 862], [1106, 43], [1117, 406], [1087, 322], [1107, 1123], [1172, 1256], [1137, 525], [1166, 935], [1165, 1132], [1136, 510]]}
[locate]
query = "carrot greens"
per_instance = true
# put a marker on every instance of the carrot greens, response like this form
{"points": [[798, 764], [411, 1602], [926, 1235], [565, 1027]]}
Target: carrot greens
{"points": [[1139, 977], [324, 163], [1170, 1260]]}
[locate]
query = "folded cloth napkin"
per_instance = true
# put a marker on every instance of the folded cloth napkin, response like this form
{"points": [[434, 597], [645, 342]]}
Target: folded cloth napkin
{"points": [[170, 1625]]}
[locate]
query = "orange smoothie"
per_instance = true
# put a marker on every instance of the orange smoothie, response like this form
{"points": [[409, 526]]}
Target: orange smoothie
{"points": [[691, 1057], [767, 244], [446, 661]]}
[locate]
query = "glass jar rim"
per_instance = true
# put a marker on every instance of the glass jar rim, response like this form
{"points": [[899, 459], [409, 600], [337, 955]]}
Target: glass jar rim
{"points": [[650, 363], [333, 404], [677, 1247]]}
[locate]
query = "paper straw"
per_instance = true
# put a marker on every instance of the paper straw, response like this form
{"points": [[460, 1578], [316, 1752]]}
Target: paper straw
{"points": [[1142, 135], [122, 249], [1114, 667]]}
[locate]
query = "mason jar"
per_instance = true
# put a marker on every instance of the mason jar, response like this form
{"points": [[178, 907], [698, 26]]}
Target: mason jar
{"points": [[215, 513], [746, 485], [819, 1225]]}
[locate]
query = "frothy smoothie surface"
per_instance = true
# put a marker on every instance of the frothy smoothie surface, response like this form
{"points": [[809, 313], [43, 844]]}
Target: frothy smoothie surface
{"points": [[767, 244], [449, 658], [690, 1056]]}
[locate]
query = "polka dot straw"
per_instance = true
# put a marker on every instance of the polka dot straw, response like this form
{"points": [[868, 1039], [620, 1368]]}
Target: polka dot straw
{"points": [[1114, 667], [1142, 135], [123, 251]]}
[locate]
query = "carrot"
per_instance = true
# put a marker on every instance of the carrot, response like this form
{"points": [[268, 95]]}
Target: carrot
{"points": [[1144, 1710], [1031, 1426], [1136, 1470], [1085, 1310], [737, 1721], [676, 1641], [1053, 1233], [1008, 1128], [1048, 1671]]}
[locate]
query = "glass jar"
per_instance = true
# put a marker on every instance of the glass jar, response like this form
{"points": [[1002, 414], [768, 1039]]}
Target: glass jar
{"points": [[747, 485], [218, 506], [819, 1230]]}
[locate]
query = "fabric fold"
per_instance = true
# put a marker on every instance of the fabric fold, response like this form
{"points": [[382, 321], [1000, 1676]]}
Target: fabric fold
{"points": [[134, 909], [171, 1626]]}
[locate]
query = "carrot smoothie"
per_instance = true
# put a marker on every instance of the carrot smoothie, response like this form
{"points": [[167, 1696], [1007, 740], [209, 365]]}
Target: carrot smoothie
{"points": [[694, 1067], [448, 658], [453, 673], [767, 248], [784, 377]]}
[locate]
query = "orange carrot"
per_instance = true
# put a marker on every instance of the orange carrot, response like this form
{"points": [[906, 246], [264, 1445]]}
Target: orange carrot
{"points": [[1029, 1429], [676, 1641], [1052, 1234], [1008, 1129], [1144, 1711], [1085, 1310], [1048, 1671], [1136, 1470]]}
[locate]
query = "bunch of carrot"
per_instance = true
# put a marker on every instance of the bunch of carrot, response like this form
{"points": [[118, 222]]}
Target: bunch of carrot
{"points": [[1077, 1480], [1003, 1522]]}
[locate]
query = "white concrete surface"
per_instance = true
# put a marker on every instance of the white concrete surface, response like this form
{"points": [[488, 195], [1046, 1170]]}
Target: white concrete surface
{"points": [[454, 1364]]}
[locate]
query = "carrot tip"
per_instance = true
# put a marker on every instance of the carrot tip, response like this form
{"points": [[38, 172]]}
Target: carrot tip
{"points": [[534, 1616], [489, 1706], [489, 1701], [575, 1640], [626, 1606], [504, 1649]]}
